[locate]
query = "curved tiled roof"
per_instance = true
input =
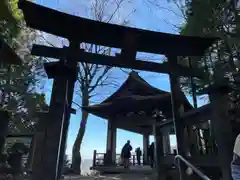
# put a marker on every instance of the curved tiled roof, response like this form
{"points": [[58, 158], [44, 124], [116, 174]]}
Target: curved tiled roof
{"points": [[136, 95]]}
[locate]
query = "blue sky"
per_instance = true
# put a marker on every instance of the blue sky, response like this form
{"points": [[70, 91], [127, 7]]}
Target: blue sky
{"points": [[143, 16]]}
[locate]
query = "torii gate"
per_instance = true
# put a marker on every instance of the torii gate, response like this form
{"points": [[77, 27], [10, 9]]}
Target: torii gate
{"points": [[78, 30]]}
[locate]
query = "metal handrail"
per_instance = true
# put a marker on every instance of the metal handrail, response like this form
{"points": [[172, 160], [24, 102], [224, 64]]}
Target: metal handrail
{"points": [[197, 171]]}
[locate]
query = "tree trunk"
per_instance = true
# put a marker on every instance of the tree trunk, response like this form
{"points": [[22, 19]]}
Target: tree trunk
{"points": [[76, 155]]}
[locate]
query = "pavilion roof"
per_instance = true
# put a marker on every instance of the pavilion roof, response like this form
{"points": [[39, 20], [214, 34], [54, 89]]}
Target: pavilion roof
{"points": [[137, 97]]}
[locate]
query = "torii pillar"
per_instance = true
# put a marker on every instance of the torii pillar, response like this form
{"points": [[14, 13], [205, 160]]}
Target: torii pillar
{"points": [[110, 157], [145, 148], [176, 111], [58, 116], [222, 128]]}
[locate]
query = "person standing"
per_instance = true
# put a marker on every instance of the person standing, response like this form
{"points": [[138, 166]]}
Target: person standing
{"points": [[138, 154], [126, 154], [151, 154]]}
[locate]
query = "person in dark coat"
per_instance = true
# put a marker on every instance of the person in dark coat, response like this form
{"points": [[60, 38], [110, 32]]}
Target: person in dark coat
{"points": [[151, 154], [126, 154], [138, 154]]}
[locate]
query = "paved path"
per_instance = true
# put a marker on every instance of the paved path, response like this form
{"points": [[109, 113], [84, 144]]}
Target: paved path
{"points": [[112, 177], [120, 173], [131, 170]]}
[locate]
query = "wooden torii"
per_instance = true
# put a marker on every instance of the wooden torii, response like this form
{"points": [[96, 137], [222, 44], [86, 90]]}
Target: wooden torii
{"points": [[78, 30]]}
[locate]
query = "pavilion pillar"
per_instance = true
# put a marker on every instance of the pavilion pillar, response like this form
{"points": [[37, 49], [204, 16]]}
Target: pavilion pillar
{"points": [[145, 148], [4, 120], [158, 152], [166, 140], [111, 143], [166, 144], [176, 110], [223, 136]]}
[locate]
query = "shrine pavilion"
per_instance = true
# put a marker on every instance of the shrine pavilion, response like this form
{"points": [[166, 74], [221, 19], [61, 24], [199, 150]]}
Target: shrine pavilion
{"points": [[135, 107]]}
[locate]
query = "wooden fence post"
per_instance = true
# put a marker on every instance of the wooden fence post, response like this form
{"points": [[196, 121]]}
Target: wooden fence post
{"points": [[94, 158], [133, 160]]}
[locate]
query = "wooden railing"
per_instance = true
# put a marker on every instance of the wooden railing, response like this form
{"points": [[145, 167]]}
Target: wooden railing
{"points": [[195, 169], [99, 159]]}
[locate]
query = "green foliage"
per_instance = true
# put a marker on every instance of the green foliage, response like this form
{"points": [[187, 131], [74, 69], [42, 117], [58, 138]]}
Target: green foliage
{"points": [[18, 87], [16, 13], [219, 20], [207, 23], [9, 20], [24, 120], [221, 61], [18, 93]]}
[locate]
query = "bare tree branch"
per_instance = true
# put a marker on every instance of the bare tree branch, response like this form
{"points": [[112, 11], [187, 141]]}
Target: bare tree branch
{"points": [[116, 9], [155, 4], [181, 8], [99, 78], [46, 41], [77, 104], [175, 27], [92, 76]]}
